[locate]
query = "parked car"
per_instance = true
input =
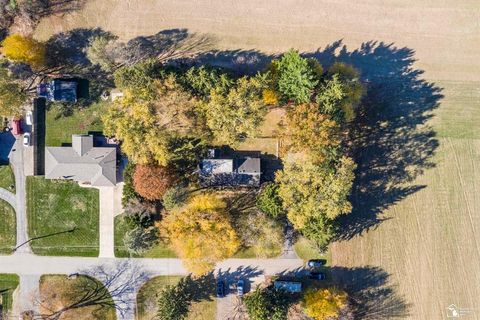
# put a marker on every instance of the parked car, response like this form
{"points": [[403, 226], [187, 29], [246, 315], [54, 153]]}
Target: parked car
{"points": [[26, 139], [29, 118], [240, 287], [317, 275], [316, 263], [220, 288], [17, 127]]}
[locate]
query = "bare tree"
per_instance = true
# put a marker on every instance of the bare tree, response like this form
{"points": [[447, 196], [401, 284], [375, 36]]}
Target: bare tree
{"points": [[107, 286]]}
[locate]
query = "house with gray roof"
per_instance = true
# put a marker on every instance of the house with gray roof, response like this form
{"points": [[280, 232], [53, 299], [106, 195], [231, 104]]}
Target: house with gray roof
{"points": [[82, 162], [236, 171]]}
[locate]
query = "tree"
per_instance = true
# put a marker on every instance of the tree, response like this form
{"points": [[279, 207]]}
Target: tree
{"points": [[138, 240], [151, 182], [174, 302], [128, 188], [107, 286], [12, 97], [269, 202], [139, 78], [201, 81], [260, 232], [296, 76], [174, 197], [24, 49], [201, 233], [237, 115], [267, 304], [161, 126], [314, 195], [324, 304], [307, 130], [99, 52]]}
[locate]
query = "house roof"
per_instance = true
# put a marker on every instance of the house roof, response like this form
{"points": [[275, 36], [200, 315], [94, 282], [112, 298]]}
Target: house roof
{"points": [[82, 162], [239, 172], [216, 166], [248, 165]]}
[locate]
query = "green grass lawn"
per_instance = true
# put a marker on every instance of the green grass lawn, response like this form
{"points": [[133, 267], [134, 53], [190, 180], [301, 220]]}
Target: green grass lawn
{"points": [[158, 251], [8, 230], [8, 284], [58, 291], [55, 206], [7, 179], [306, 251], [147, 296], [61, 128]]}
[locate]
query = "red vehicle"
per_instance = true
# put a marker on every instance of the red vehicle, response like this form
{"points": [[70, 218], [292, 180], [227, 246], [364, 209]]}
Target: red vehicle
{"points": [[17, 127]]}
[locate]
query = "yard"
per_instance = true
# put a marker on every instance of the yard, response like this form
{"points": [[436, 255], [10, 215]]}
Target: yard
{"points": [[8, 229], [59, 128], [8, 284], [58, 291], [423, 240], [121, 227], [7, 179], [56, 207], [148, 293]]}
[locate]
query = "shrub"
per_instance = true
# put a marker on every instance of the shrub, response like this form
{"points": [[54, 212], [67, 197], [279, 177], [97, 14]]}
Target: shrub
{"points": [[269, 202]]}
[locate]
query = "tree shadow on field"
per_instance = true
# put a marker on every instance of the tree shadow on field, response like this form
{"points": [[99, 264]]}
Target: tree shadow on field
{"points": [[371, 294], [393, 141]]}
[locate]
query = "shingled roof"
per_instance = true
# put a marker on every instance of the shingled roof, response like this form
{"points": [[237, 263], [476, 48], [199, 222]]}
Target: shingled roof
{"points": [[82, 162]]}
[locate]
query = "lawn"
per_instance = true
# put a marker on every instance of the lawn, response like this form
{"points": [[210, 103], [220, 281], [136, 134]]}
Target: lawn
{"points": [[55, 206], [8, 229], [158, 251], [58, 291], [306, 251], [7, 179], [8, 284], [148, 294], [59, 129]]}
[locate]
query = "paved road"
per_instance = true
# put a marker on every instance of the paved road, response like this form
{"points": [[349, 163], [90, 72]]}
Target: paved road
{"points": [[31, 267]]}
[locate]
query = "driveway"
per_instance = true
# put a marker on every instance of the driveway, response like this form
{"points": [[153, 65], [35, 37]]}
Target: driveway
{"points": [[110, 206], [16, 160]]}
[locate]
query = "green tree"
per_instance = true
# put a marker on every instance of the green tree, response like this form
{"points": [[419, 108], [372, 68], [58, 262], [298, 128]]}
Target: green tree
{"points": [[12, 97], [314, 195], [138, 240], [174, 197], [98, 52], [296, 78], [128, 188], [267, 304], [269, 202], [139, 78], [237, 115], [173, 302], [201, 81]]}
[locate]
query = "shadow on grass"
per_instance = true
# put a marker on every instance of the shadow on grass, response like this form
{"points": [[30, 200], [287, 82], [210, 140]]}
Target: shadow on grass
{"points": [[393, 142], [371, 294]]}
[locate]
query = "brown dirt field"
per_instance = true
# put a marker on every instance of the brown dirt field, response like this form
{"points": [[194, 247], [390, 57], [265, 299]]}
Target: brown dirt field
{"points": [[427, 250]]}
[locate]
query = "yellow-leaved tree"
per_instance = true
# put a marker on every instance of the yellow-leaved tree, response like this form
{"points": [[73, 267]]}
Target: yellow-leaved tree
{"points": [[24, 49], [201, 233], [324, 304]]}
